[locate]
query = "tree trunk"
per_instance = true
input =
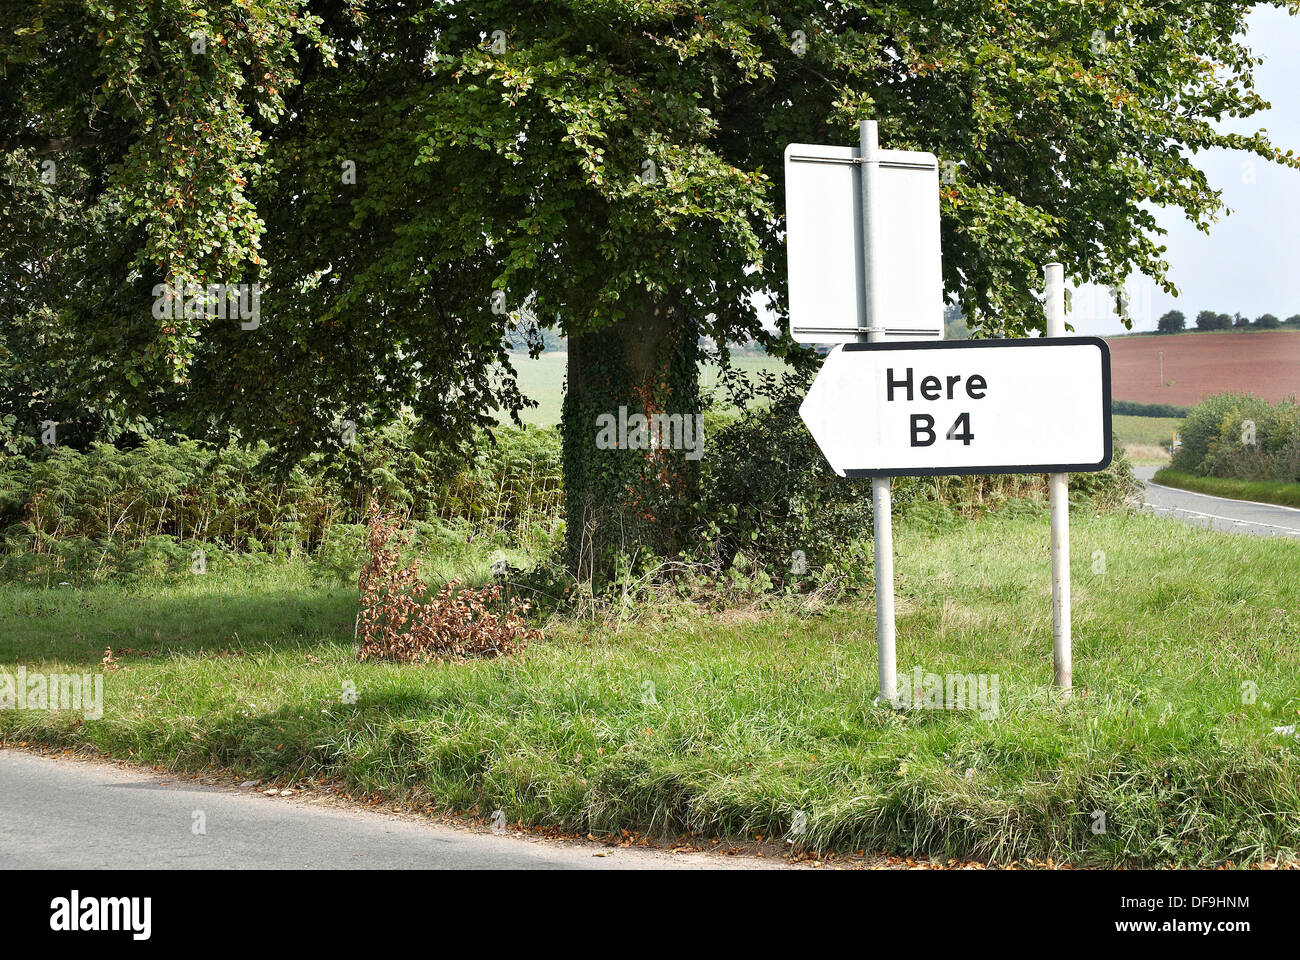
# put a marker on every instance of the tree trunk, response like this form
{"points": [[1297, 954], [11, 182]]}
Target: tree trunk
{"points": [[628, 488]]}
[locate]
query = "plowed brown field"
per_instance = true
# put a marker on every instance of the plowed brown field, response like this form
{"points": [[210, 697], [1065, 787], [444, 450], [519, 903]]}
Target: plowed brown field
{"points": [[1200, 364]]}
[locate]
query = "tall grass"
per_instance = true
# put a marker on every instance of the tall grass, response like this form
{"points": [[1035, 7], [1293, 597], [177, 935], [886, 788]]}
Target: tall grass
{"points": [[731, 725], [1260, 491]]}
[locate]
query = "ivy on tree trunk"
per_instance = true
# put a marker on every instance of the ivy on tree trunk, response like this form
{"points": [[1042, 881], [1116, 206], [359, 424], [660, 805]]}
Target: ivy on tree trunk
{"points": [[623, 499]]}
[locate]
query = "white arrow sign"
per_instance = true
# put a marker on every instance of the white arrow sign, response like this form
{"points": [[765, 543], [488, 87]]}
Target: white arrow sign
{"points": [[971, 406]]}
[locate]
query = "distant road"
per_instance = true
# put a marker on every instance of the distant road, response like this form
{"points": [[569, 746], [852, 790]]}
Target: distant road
{"points": [[65, 814], [1218, 513]]}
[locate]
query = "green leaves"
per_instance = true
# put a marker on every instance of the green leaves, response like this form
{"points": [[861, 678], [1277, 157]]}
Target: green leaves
{"points": [[585, 154]]}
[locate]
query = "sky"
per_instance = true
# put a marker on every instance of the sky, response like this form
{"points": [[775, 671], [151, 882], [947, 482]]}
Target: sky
{"points": [[1250, 261]]}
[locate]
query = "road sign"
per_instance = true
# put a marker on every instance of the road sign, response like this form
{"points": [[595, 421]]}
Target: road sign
{"points": [[841, 243], [865, 273], [968, 406]]}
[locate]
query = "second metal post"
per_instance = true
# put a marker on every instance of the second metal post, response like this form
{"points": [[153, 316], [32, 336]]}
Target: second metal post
{"points": [[1058, 491]]}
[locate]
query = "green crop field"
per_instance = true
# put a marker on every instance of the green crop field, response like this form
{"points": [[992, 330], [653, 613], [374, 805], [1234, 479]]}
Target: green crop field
{"points": [[1147, 439], [1147, 430], [542, 380]]}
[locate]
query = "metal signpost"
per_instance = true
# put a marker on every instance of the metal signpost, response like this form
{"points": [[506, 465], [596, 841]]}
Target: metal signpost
{"points": [[893, 399], [848, 285]]}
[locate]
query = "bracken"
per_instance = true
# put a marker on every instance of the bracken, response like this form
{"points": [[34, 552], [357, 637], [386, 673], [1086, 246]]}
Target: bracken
{"points": [[400, 618]]}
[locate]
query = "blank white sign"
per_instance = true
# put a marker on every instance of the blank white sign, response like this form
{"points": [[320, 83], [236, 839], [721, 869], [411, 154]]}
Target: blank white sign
{"points": [[824, 245], [972, 406]]}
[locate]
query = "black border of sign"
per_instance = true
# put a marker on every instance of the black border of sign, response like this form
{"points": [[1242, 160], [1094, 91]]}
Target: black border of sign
{"points": [[1010, 468]]}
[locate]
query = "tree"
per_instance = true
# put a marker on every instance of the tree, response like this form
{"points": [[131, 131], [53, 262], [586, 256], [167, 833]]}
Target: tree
{"points": [[1268, 321], [1171, 322], [1293, 320], [409, 178], [1207, 320]]}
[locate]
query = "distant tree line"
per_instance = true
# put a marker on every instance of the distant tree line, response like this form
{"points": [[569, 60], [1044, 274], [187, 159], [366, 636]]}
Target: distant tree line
{"points": [[954, 322], [1175, 322]]}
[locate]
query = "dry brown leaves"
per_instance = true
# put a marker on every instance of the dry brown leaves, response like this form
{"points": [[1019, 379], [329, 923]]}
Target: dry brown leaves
{"points": [[400, 618]]}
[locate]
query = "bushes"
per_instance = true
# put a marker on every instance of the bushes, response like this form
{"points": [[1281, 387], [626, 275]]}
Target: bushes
{"points": [[1200, 427], [516, 480], [1109, 489], [143, 512], [1257, 443], [766, 492], [767, 489], [1241, 437]]}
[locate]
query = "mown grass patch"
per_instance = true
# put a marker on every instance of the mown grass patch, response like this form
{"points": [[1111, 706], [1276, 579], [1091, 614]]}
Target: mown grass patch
{"points": [[743, 726]]}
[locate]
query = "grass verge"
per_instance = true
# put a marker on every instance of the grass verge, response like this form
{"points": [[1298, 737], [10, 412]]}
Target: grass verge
{"points": [[747, 724], [1261, 491]]}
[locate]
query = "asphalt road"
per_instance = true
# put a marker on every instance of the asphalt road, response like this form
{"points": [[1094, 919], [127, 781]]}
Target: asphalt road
{"points": [[1219, 513], [66, 814]]}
